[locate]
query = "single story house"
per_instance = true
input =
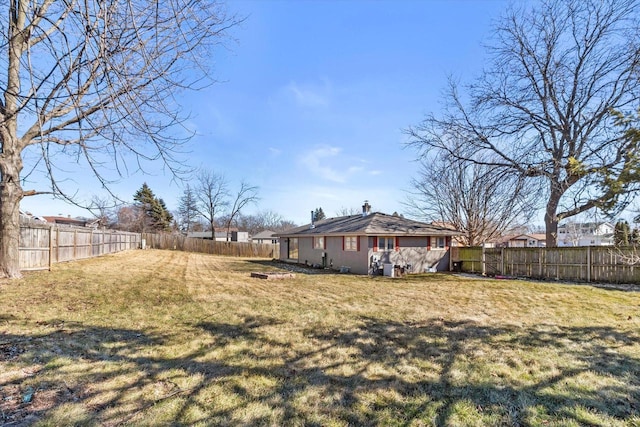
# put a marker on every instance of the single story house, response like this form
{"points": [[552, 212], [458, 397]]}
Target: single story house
{"points": [[368, 243], [265, 236], [531, 240], [221, 235]]}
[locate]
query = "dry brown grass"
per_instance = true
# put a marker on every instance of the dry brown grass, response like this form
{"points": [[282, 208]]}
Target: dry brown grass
{"points": [[161, 337]]}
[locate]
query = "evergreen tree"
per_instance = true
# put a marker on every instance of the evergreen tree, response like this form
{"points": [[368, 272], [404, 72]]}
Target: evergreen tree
{"points": [[187, 210], [143, 202], [621, 234], [152, 213], [318, 214], [161, 216]]}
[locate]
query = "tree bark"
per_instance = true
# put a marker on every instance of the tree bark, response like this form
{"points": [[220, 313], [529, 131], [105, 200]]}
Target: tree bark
{"points": [[10, 196], [551, 219]]}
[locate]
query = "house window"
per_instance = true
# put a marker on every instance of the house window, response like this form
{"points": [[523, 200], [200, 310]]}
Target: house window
{"points": [[318, 242], [292, 252], [351, 243], [440, 242], [386, 243]]}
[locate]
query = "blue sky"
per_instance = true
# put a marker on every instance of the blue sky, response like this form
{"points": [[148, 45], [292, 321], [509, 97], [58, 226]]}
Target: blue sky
{"points": [[312, 100]]}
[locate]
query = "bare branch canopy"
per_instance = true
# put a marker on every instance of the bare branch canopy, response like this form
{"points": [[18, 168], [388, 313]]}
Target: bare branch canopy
{"points": [[96, 81]]}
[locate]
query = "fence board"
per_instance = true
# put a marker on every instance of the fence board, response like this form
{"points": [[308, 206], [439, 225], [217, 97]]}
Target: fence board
{"points": [[582, 264], [43, 245], [189, 244]]}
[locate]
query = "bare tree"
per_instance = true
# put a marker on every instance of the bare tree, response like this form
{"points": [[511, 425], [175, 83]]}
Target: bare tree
{"points": [[542, 109], [478, 200], [344, 211], [95, 80], [104, 209], [245, 195], [212, 194], [264, 220]]}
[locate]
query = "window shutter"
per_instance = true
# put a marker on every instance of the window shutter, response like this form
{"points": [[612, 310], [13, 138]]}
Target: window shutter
{"points": [[358, 243], [324, 242], [397, 243], [375, 244], [343, 243], [428, 243]]}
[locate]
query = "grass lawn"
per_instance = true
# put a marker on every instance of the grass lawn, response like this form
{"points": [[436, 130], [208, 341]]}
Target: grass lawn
{"points": [[160, 337]]}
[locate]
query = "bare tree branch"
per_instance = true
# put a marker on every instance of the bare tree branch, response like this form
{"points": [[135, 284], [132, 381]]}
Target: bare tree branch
{"points": [[96, 82], [543, 107]]}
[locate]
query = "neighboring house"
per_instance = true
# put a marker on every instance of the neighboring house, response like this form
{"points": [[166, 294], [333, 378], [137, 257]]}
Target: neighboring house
{"points": [[66, 220], [586, 234], [29, 218], [532, 240], [265, 236], [221, 235], [368, 243]]}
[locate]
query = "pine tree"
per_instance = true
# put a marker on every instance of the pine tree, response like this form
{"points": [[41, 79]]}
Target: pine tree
{"points": [[187, 210], [144, 200], [152, 212], [318, 214], [161, 216], [621, 234]]}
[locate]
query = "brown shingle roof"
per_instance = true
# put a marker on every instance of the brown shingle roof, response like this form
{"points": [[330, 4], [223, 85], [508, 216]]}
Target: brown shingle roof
{"points": [[374, 224]]}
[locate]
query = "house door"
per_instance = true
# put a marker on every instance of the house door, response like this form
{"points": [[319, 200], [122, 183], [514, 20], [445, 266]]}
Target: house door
{"points": [[292, 248]]}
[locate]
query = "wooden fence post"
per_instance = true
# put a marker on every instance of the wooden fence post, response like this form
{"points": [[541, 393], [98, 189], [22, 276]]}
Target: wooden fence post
{"points": [[540, 255], [50, 247], [57, 244], [588, 263]]}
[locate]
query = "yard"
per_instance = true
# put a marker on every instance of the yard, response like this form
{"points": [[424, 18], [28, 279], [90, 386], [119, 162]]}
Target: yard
{"points": [[161, 337]]}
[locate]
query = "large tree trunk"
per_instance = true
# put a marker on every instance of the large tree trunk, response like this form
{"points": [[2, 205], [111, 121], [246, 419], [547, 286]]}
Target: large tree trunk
{"points": [[10, 196], [551, 219]]}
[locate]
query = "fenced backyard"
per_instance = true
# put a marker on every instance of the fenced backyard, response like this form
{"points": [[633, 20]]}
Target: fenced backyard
{"points": [[584, 264], [43, 245], [167, 337], [188, 244]]}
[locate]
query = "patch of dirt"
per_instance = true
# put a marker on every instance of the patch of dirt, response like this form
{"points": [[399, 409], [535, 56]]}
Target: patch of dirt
{"points": [[22, 406]]}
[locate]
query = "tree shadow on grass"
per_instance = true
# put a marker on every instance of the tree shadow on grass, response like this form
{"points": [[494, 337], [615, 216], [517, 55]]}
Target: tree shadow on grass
{"points": [[381, 372]]}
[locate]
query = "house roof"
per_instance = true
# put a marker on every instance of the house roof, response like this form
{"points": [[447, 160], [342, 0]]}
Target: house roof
{"points": [[373, 224], [64, 220], [264, 234], [534, 236]]}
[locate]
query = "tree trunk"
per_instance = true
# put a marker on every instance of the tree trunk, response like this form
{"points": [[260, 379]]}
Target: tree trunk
{"points": [[10, 196], [551, 219]]}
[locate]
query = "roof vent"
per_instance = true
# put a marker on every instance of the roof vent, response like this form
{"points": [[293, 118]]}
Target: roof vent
{"points": [[366, 208]]}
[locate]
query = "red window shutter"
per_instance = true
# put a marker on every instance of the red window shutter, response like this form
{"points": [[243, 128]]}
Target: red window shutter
{"points": [[397, 243], [447, 242], [343, 243], [428, 243], [375, 244], [358, 243]]}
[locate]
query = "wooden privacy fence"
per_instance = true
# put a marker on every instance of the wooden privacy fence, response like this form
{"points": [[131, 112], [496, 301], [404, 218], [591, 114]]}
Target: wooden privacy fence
{"points": [[43, 245], [584, 264], [189, 244]]}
